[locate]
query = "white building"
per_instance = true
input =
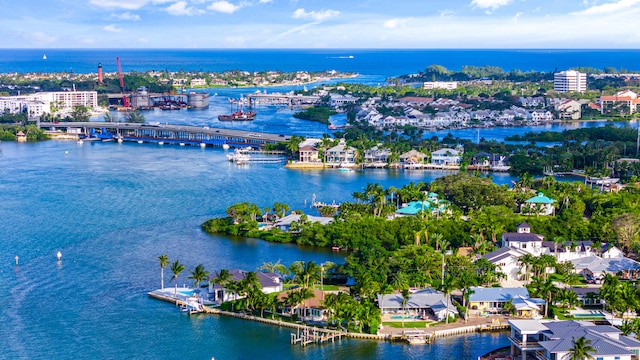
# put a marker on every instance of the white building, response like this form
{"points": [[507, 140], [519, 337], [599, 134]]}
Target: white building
{"points": [[532, 339], [447, 85], [570, 80]]}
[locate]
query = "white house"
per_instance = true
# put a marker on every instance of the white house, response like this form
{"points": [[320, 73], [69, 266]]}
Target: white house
{"points": [[533, 339], [269, 283], [569, 109], [284, 223], [446, 156], [422, 303], [524, 240], [539, 205], [341, 153]]}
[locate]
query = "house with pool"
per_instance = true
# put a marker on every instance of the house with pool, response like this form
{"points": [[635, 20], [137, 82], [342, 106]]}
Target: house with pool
{"points": [[269, 283], [422, 305], [552, 340], [485, 301]]}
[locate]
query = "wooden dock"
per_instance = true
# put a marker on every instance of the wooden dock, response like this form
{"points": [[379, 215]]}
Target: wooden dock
{"points": [[306, 336]]}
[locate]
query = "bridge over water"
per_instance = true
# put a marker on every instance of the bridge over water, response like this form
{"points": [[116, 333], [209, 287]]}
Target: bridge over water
{"points": [[169, 134]]}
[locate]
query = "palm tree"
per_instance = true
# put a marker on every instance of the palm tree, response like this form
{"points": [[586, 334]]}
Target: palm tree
{"points": [[164, 261], [199, 274], [581, 349], [558, 240], [176, 269], [448, 285], [405, 298]]}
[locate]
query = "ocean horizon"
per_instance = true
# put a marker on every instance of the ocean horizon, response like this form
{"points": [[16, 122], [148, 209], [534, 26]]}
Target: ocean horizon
{"points": [[377, 62]]}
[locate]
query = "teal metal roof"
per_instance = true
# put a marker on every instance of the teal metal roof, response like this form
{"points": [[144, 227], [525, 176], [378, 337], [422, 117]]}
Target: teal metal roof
{"points": [[540, 199]]}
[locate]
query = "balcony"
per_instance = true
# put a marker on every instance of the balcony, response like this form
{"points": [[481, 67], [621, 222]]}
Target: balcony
{"points": [[529, 345], [540, 355]]}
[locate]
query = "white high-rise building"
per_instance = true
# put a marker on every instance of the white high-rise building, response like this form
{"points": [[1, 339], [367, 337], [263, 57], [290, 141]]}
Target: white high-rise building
{"points": [[570, 80]]}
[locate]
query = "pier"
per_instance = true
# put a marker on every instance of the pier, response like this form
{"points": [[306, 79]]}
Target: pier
{"points": [[165, 134], [250, 155]]}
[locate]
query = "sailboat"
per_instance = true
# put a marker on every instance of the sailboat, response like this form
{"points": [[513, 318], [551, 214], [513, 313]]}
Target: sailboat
{"points": [[44, 57]]}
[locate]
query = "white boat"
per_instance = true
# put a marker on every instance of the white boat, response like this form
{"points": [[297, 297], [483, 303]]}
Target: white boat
{"points": [[203, 145], [80, 142], [161, 143], [44, 57], [181, 144], [225, 146], [140, 141]]}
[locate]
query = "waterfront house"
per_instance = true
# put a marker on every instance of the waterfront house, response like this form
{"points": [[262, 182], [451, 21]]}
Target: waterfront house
{"points": [[627, 101], [447, 157], [486, 161], [311, 309], [377, 156], [269, 283], [540, 115], [341, 154], [412, 159], [539, 205], [483, 301], [21, 137], [285, 223], [308, 150], [552, 340], [420, 305], [569, 109]]}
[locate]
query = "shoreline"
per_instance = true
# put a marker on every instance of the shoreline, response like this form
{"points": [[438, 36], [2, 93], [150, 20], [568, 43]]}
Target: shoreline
{"points": [[389, 334]]}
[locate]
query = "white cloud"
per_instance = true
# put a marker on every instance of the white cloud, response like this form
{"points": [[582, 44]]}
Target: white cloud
{"points": [[611, 7], [446, 13], [396, 23], [180, 8], [126, 4], [516, 17], [38, 38], [224, 7], [315, 15], [112, 28], [489, 4], [126, 16], [265, 1]]}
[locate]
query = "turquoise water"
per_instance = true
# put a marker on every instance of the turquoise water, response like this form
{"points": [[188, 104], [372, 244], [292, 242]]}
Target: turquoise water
{"points": [[112, 209]]}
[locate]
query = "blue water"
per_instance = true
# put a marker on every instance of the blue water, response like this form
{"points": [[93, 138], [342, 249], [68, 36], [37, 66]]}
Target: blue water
{"points": [[383, 63], [112, 209]]}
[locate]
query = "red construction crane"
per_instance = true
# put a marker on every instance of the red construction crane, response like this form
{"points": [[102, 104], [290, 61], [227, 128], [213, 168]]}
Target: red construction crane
{"points": [[125, 99]]}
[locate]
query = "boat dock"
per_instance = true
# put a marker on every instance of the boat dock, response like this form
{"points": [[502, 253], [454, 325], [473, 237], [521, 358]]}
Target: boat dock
{"points": [[307, 336], [282, 99]]}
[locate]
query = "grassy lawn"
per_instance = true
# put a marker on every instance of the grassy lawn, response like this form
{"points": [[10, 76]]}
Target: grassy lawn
{"points": [[408, 324], [327, 287]]}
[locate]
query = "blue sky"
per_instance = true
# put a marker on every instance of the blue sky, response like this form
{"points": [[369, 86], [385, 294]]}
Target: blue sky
{"points": [[319, 24]]}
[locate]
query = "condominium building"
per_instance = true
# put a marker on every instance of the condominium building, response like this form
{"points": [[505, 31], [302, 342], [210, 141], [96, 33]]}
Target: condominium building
{"points": [[45, 102], [447, 85], [570, 80]]}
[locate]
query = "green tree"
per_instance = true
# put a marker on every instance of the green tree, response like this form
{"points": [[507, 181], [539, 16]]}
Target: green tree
{"points": [[79, 114], [134, 116], [176, 269], [164, 261], [581, 349], [199, 274]]}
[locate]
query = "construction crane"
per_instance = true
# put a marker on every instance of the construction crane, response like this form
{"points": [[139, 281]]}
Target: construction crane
{"points": [[125, 99]]}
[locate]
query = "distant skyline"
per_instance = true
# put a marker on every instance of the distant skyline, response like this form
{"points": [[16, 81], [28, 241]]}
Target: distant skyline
{"points": [[233, 24]]}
